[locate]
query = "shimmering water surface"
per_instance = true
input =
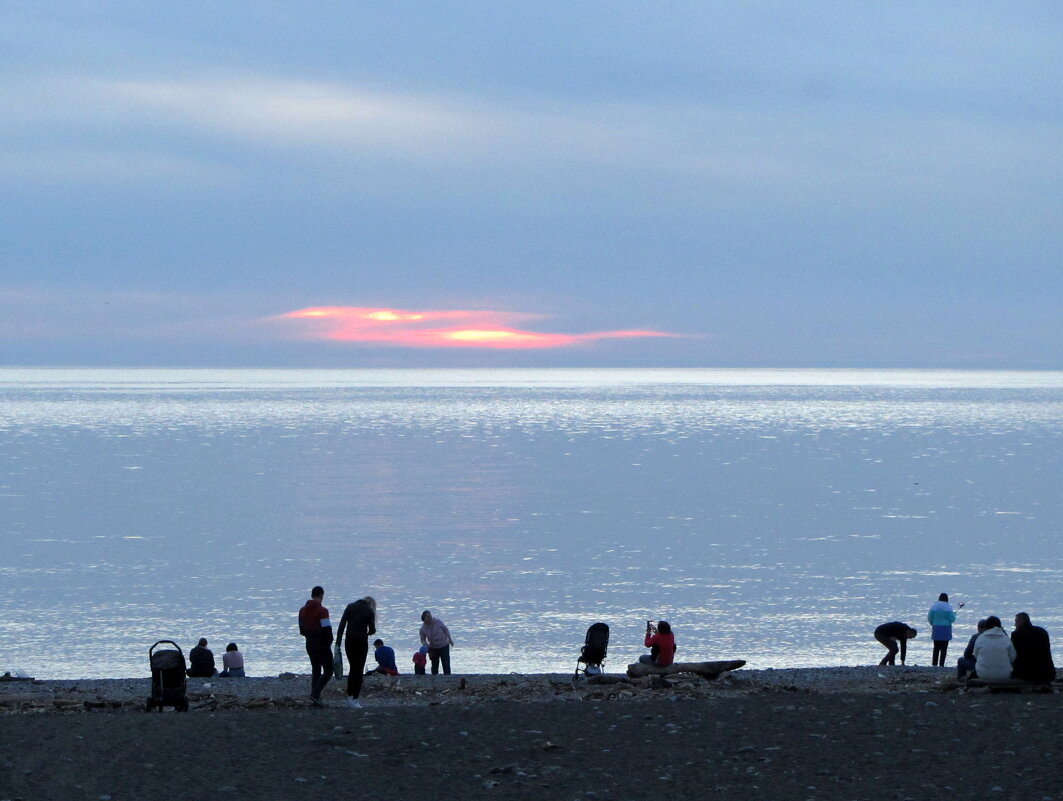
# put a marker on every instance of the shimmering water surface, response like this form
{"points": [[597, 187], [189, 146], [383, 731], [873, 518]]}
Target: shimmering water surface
{"points": [[776, 516]]}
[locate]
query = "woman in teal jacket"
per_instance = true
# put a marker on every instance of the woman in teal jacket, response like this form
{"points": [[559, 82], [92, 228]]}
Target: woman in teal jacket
{"points": [[941, 617]]}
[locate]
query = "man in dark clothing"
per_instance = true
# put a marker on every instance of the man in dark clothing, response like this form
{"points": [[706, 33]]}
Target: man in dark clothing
{"points": [[315, 626], [965, 665], [201, 661], [1033, 652], [895, 637]]}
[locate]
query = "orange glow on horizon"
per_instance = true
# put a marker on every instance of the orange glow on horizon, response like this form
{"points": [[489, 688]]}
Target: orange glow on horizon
{"points": [[419, 329]]}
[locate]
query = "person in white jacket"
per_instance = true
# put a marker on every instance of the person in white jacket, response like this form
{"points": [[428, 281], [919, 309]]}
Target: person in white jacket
{"points": [[993, 652]]}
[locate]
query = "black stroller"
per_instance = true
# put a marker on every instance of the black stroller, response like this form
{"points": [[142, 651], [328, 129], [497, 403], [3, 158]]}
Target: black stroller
{"points": [[168, 682], [592, 655]]}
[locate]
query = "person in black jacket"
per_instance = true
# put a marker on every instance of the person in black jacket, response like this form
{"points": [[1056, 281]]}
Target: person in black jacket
{"points": [[895, 637], [201, 661], [1033, 652], [966, 664], [359, 624]]}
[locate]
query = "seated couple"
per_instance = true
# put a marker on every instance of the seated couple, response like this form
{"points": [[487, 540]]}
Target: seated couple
{"points": [[201, 662]]}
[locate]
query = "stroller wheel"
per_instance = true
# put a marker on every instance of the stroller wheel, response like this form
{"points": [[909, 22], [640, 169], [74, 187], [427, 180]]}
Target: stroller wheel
{"points": [[183, 706]]}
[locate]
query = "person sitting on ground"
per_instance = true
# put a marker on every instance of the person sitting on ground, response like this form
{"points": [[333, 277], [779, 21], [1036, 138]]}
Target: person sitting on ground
{"points": [[1033, 652], [420, 659], [201, 661], [233, 662], [965, 665], [993, 652], [661, 642], [385, 659], [895, 637]]}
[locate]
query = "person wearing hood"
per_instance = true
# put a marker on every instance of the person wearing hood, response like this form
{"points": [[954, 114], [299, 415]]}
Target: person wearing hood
{"points": [[941, 617], [993, 652]]}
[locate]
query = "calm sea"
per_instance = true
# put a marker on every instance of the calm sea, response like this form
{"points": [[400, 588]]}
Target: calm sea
{"points": [[775, 516]]}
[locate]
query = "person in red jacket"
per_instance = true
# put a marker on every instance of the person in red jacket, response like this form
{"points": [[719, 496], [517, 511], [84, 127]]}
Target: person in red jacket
{"points": [[316, 627], [661, 642]]}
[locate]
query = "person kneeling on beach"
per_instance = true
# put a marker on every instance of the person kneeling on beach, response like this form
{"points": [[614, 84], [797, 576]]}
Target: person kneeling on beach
{"points": [[385, 659], [895, 637], [993, 652], [661, 642]]}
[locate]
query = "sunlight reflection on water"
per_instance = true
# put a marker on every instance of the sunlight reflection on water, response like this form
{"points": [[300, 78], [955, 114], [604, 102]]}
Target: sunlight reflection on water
{"points": [[775, 516]]}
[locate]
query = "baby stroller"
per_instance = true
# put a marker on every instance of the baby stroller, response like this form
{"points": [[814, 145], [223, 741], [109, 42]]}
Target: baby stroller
{"points": [[168, 682], [592, 655]]}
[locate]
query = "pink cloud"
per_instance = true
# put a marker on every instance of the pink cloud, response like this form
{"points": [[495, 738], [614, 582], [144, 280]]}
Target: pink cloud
{"points": [[435, 329]]}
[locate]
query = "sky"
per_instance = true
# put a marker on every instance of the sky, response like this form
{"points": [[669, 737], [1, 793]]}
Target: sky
{"points": [[815, 184]]}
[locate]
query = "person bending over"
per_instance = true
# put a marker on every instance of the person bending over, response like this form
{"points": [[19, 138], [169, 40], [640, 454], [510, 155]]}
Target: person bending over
{"points": [[661, 642], [895, 637]]}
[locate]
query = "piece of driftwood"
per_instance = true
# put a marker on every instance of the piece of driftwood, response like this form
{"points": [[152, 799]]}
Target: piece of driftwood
{"points": [[707, 670], [1007, 686]]}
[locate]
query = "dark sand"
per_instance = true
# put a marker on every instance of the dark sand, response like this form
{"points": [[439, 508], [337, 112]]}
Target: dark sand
{"points": [[882, 737]]}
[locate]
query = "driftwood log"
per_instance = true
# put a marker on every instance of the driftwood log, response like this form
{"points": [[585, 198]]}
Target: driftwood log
{"points": [[707, 670]]}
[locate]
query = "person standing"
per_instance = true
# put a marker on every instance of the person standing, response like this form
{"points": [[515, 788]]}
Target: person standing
{"points": [[420, 657], [1033, 652], [316, 627], [941, 617], [358, 623], [435, 634], [895, 637], [993, 652]]}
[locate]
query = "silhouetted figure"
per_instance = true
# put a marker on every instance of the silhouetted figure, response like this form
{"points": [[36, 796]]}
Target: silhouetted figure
{"points": [[895, 637], [1033, 652], [201, 661], [966, 664]]}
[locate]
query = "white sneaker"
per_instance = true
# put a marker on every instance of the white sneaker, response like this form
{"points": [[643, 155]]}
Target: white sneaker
{"points": [[354, 703]]}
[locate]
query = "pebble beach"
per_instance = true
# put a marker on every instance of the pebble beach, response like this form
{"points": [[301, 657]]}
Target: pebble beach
{"points": [[822, 733]]}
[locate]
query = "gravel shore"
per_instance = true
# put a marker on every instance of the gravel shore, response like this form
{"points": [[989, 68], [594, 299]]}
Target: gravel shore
{"points": [[829, 733]]}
